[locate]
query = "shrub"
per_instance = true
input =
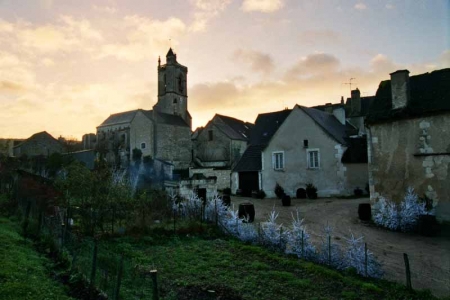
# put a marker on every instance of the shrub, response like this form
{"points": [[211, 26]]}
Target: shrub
{"points": [[402, 217], [329, 252], [311, 191], [356, 258], [261, 194], [279, 191], [271, 231], [358, 192]]}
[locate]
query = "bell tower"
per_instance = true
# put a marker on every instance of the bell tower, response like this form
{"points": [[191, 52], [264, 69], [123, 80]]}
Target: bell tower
{"points": [[172, 88]]}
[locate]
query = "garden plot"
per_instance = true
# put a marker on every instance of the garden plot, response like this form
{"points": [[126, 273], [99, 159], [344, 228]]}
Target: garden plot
{"points": [[429, 256]]}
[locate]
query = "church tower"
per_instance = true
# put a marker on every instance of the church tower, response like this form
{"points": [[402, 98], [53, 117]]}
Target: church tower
{"points": [[172, 88]]}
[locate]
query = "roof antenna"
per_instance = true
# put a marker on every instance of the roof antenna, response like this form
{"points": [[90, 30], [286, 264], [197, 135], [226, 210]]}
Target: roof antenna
{"points": [[350, 83]]}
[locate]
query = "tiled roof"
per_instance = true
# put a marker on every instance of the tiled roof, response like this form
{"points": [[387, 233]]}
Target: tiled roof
{"points": [[250, 160], [128, 116], [266, 125], [429, 93], [43, 135], [234, 128], [120, 118], [328, 122]]}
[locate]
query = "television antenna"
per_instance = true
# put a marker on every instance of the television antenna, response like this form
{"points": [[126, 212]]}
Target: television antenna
{"points": [[350, 83]]}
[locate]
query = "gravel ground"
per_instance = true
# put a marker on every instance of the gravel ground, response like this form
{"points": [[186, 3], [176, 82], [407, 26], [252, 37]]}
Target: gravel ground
{"points": [[429, 256]]}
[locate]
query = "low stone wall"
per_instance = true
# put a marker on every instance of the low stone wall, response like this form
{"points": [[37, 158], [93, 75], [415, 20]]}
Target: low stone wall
{"points": [[223, 176]]}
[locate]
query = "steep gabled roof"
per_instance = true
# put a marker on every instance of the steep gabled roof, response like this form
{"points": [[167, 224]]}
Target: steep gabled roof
{"points": [[40, 135], [328, 122], [235, 129], [128, 116], [266, 125], [429, 94]]}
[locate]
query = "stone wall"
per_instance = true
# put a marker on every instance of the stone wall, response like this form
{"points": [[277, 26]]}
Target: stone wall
{"points": [[212, 151], [223, 176], [186, 187], [174, 145], [412, 152], [142, 132]]}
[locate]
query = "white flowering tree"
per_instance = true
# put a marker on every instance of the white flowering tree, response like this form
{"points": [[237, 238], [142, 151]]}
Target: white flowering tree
{"points": [[298, 239], [330, 253], [360, 258], [271, 232]]}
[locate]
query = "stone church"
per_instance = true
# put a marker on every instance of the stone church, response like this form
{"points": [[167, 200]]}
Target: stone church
{"points": [[162, 134]]}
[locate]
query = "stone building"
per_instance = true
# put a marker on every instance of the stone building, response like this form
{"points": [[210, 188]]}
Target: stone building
{"points": [[163, 133], [218, 146], [300, 146], [7, 146], [409, 138], [41, 143]]}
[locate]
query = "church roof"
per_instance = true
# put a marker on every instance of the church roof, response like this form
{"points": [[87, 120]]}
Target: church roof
{"points": [[234, 128], [170, 52], [128, 116], [120, 118]]}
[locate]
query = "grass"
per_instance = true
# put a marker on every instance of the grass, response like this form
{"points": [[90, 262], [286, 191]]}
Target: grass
{"points": [[24, 274], [251, 272]]}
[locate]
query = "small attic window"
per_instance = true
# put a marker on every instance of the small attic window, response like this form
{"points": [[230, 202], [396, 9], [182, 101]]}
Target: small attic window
{"points": [[210, 135], [175, 101]]}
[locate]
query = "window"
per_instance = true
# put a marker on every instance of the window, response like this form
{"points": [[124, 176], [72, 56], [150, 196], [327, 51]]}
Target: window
{"points": [[143, 145], [313, 157], [278, 160], [175, 101], [210, 135]]}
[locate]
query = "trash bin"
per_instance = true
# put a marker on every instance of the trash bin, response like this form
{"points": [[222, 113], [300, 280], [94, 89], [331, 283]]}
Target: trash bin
{"points": [[247, 211]]}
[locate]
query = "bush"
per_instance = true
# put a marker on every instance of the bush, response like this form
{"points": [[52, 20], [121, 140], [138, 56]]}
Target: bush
{"points": [[311, 191], [261, 194], [279, 191]]}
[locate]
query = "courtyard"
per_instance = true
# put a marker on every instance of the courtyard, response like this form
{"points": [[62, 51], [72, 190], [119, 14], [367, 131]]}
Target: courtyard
{"points": [[428, 256]]}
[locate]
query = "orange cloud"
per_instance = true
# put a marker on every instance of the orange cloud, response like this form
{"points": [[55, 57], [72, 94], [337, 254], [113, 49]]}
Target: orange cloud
{"points": [[265, 6], [257, 61]]}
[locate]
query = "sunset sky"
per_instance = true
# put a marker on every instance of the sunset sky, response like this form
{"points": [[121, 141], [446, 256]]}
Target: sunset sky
{"points": [[66, 65]]}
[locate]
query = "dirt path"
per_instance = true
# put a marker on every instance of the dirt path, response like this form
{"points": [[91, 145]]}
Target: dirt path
{"points": [[429, 257]]}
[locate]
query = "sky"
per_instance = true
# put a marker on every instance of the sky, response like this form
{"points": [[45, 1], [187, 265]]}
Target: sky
{"points": [[66, 65]]}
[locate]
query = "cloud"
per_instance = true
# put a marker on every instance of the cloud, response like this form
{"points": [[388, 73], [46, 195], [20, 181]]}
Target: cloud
{"points": [[258, 61], [360, 6], [9, 86], [444, 59], [46, 4], [381, 63], [105, 9], [205, 10], [313, 64], [265, 6], [390, 6], [68, 34], [145, 38], [315, 37]]}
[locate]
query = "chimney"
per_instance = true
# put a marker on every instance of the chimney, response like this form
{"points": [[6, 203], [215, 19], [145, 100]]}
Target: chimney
{"points": [[400, 88], [342, 99], [339, 114], [355, 103]]}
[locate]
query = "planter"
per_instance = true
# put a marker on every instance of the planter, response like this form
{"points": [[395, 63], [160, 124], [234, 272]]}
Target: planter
{"points": [[365, 212], [301, 193], [247, 212], [428, 225], [286, 200], [311, 194]]}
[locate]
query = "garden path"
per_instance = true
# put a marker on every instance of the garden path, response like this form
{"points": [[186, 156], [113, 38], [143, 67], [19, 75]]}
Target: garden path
{"points": [[429, 256]]}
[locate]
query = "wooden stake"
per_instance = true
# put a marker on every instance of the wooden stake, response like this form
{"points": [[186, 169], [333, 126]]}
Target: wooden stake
{"points": [[153, 275], [94, 266], [408, 271], [119, 279], [366, 260], [329, 250]]}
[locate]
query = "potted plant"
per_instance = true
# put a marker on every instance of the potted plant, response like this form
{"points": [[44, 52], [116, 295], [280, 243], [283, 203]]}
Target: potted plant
{"points": [[311, 191], [261, 194], [279, 191]]}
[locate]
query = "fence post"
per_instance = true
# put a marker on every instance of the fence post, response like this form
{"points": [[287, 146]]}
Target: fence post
{"points": [[119, 279], [329, 250], [303, 245], [94, 266], [27, 216], [281, 236], [153, 274], [366, 260], [408, 271], [174, 221], [259, 233], [215, 210]]}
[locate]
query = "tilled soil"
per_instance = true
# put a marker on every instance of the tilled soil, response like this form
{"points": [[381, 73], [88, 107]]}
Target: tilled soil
{"points": [[429, 257]]}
